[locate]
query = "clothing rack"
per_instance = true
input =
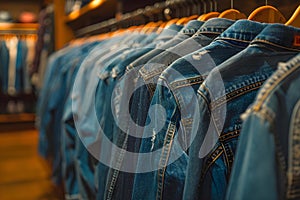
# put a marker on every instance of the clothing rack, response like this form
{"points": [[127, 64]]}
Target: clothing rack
{"points": [[160, 11], [22, 32], [18, 28]]}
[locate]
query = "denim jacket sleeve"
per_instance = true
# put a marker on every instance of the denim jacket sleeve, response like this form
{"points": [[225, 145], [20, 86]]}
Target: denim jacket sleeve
{"points": [[254, 173], [267, 159]]}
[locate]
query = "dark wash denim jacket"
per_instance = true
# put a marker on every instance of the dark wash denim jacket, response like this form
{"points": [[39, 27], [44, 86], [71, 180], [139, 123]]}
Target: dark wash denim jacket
{"points": [[67, 137], [120, 189], [4, 53], [117, 72], [81, 99], [50, 108], [223, 97], [108, 77], [176, 92], [119, 178], [270, 132]]}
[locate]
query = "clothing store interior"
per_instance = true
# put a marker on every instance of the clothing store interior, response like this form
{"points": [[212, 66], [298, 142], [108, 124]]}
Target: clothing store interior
{"points": [[149, 99]]}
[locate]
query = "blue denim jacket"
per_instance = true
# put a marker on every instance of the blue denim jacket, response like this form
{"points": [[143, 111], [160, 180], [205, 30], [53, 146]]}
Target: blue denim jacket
{"points": [[50, 107], [4, 67], [114, 174], [149, 75], [80, 105], [176, 92], [67, 133], [108, 78], [116, 179], [51, 117], [44, 117], [271, 132], [222, 98], [20, 66], [82, 101], [84, 164]]}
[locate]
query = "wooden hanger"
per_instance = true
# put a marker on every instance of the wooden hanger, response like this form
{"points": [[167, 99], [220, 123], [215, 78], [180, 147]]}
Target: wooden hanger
{"points": [[181, 21], [267, 14], [147, 27], [207, 16], [155, 26], [295, 19], [185, 20], [232, 14], [170, 22]]}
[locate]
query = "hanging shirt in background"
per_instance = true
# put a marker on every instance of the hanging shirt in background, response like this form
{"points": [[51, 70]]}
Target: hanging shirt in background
{"points": [[30, 44], [12, 49]]}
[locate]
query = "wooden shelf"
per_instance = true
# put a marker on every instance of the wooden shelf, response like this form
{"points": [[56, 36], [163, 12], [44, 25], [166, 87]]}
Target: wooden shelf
{"points": [[84, 10], [15, 118], [18, 26]]}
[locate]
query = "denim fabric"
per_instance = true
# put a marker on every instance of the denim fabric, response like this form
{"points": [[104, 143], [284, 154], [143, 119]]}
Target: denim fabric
{"points": [[176, 92], [54, 109], [149, 75], [105, 87], [20, 66], [169, 32], [83, 161], [110, 59], [116, 179], [103, 108], [81, 101], [191, 28], [150, 72], [225, 94], [271, 132], [68, 133], [4, 67], [51, 107], [3, 74], [43, 117]]}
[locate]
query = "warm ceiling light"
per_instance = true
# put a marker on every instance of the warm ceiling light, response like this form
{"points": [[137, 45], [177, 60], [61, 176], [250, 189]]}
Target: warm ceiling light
{"points": [[95, 3], [74, 15]]}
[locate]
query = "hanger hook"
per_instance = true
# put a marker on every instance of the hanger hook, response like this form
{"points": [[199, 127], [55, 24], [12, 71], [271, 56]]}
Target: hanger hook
{"points": [[266, 2], [204, 6], [211, 4], [231, 4]]}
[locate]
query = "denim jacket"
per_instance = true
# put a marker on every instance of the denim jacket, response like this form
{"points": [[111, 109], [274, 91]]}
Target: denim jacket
{"points": [[79, 108], [48, 114], [83, 102], [222, 98], [271, 132], [176, 92], [117, 178], [108, 79], [4, 67]]}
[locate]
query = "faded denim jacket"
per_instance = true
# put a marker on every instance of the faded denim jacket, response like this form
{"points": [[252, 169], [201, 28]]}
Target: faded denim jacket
{"points": [[116, 189], [176, 92], [223, 97], [267, 158], [120, 178]]}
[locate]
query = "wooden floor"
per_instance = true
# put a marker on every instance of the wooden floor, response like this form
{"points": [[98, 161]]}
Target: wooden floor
{"points": [[23, 174]]}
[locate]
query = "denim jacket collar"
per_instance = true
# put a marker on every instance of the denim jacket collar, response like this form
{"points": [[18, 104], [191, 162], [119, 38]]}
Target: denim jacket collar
{"points": [[169, 32], [215, 26], [192, 27], [242, 31], [281, 36]]}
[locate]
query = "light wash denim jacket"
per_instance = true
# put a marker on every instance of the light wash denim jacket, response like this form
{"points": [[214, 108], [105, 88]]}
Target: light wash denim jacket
{"points": [[223, 97], [267, 158]]}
